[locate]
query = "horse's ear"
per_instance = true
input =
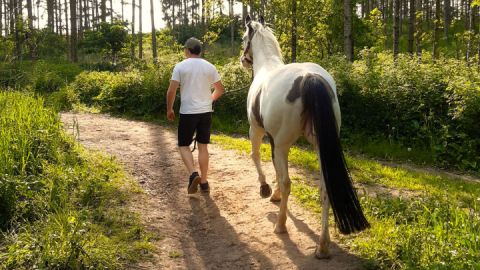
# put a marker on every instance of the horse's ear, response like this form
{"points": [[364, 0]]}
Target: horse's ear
{"points": [[248, 19], [262, 20]]}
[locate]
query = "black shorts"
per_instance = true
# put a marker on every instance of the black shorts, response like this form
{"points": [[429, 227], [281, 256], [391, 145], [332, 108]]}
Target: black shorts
{"points": [[190, 123]]}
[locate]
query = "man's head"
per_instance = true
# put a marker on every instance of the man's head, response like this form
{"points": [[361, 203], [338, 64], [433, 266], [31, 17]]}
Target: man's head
{"points": [[193, 46]]}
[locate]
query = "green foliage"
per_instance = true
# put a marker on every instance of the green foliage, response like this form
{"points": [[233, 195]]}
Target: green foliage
{"points": [[110, 38], [427, 105], [49, 45], [132, 92], [60, 207]]}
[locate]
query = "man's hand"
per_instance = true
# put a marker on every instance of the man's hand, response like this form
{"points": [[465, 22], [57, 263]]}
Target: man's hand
{"points": [[170, 115], [172, 89]]}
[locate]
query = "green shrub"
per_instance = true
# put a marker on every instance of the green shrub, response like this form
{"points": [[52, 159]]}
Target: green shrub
{"points": [[236, 81], [427, 104], [63, 100], [134, 92], [60, 207]]}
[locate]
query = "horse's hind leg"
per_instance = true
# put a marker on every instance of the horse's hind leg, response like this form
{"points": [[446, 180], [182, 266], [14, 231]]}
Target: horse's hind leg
{"points": [[321, 251], [281, 167], [256, 135]]}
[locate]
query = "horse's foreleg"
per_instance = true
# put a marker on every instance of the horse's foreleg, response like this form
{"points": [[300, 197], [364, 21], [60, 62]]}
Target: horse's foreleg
{"points": [[281, 167], [322, 251], [256, 136]]}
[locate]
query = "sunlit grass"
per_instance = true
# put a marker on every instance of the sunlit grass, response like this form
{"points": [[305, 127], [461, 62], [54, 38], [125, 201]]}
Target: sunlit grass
{"points": [[61, 207]]}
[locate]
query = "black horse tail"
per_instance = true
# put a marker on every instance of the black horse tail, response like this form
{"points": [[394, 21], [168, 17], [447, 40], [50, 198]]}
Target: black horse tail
{"points": [[317, 96]]}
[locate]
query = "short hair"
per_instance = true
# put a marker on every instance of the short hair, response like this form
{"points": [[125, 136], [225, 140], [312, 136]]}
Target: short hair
{"points": [[193, 45], [195, 50]]}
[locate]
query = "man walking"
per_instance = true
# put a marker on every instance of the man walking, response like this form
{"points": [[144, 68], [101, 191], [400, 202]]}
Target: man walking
{"points": [[195, 76]]}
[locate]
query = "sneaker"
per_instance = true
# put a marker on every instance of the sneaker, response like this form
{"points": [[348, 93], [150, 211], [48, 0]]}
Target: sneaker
{"points": [[193, 182], [204, 187]]}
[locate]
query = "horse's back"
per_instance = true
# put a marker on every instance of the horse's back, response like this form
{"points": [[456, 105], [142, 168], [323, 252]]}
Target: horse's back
{"points": [[281, 96]]}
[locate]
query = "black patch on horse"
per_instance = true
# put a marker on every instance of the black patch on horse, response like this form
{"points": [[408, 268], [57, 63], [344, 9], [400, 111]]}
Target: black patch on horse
{"points": [[256, 109], [296, 90]]}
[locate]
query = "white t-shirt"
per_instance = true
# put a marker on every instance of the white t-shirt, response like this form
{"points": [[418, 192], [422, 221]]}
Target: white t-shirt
{"points": [[196, 76]]}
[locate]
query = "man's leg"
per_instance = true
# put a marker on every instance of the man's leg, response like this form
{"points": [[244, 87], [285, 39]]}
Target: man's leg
{"points": [[203, 161], [187, 158]]}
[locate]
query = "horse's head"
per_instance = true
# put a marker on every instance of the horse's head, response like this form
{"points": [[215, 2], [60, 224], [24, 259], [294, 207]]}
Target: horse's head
{"points": [[252, 27]]}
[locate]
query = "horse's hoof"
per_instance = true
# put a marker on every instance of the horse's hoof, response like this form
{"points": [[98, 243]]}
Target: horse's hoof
{"points": [[280, 229], [275, 199], [265, 190], [322, 254]]}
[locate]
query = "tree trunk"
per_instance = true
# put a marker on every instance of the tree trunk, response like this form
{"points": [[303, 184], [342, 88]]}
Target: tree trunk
{"points": [[411, 27], [73, 32], [203, 12], [30, 28], [446, 18], [57, 18], [347, 30], [185, 14], [154, 35], [418, 33], [50, 15], [111, 11], [396, 27], [470, 36], [86, 15], [66, 19], [1, 18], [122, 3], [140, 34], [103, 7], [80, 28], [436, 32], [16, 19], [97, 14], [38, 14], [294, 31], [244, 10], [232, 27], [132, 44]]}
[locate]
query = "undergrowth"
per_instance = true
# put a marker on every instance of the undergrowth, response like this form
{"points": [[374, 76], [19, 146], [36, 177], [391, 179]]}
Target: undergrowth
{"points": [[61, 207]]}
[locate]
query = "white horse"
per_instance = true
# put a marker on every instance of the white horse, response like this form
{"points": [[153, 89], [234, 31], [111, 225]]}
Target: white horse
{"points": [[285, 102]]}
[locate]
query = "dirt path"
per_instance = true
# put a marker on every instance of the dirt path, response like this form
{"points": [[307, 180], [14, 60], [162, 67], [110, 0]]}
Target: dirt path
{"points": [[232, 228]]}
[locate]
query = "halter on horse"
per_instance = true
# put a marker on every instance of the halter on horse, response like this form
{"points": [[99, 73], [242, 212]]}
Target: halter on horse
{"points": [[285, 102]]}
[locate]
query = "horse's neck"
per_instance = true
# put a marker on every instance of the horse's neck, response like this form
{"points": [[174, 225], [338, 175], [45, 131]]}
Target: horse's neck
{"points": [[265, 62]]}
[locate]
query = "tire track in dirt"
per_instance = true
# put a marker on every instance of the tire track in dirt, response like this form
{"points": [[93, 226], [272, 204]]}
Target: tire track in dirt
{"points": [[232, 228]]}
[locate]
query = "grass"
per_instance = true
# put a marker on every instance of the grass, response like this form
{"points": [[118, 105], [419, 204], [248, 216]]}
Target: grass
{"points": [[432, 223], [61, 207]]}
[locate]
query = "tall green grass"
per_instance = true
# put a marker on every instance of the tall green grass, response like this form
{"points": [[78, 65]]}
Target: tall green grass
{"points": [[419, 220], [61, 207]]}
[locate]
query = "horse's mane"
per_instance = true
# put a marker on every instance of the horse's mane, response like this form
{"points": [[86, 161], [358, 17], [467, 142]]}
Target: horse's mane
{"points": [[269, 41]]}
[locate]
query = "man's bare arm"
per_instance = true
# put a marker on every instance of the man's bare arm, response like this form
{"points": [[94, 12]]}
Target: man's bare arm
{"points": [[219, 90], [172, 90]]}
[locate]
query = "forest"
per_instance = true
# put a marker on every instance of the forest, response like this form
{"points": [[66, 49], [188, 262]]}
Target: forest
{"points": [[408, 79]]}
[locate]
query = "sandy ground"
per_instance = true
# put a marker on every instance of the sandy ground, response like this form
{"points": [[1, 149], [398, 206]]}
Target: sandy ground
{"points": [[232, 228]]}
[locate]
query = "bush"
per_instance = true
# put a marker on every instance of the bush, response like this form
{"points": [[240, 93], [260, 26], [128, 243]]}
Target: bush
{"points": [[424, 104], [236, 81], [133, 92]]}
